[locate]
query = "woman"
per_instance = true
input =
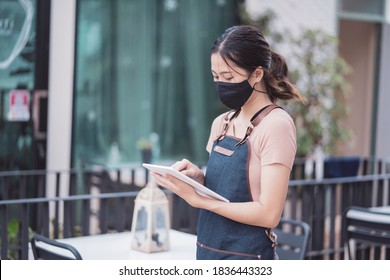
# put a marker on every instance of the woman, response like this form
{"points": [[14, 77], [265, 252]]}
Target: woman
{"points": [[252, 149]]}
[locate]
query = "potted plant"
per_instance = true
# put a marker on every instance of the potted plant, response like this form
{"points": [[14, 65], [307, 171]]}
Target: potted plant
{"points": [[320, 75]]}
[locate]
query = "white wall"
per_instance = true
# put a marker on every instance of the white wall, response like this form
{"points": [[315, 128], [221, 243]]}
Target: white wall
{"points": [[383, 113], [60, 93], [388, 11], [293, 15]]}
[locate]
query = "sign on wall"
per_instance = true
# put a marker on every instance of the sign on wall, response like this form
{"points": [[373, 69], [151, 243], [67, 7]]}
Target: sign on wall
{"points": [[19, 104]]}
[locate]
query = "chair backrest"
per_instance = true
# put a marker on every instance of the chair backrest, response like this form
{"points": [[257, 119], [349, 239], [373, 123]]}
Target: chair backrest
{"points": [[48, 249], [293, 238], [366, 229]]}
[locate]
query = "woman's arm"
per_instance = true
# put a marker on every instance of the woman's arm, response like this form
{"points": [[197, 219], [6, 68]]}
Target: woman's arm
{"points": [[265, 212]]}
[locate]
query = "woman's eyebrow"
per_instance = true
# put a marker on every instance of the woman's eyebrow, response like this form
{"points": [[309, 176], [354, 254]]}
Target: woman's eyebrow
{"points": [[223, 72]]}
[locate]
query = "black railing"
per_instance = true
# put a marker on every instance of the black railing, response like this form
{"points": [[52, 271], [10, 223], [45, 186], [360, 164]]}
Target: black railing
{"points": [[336, 167], [71, 203], [322, 204], [67, 228], [62, 203]]}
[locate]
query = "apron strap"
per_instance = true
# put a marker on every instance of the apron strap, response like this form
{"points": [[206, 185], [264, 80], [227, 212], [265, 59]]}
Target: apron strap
{"points": [[256, 119], [226, 123], [260, 115]]}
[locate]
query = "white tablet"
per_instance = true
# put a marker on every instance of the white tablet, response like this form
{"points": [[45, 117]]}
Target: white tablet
{"points": [[200, 189]]}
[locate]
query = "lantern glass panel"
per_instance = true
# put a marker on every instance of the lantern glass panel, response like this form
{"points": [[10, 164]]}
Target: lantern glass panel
{"points": [[141, 226], [159, 234]]}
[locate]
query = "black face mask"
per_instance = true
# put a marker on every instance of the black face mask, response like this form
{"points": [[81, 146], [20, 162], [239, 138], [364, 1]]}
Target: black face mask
{"points": [[234, 95]]}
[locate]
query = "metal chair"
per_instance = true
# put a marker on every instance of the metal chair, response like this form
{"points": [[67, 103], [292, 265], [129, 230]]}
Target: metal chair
{"points": [[367, 233], [292, 239], [48, 249]]}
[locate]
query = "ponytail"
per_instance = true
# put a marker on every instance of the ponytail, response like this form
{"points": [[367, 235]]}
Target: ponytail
{"points": [[277, 84]]}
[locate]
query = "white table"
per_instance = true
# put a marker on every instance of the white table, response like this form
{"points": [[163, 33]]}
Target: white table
{"points": [[117, 246]]}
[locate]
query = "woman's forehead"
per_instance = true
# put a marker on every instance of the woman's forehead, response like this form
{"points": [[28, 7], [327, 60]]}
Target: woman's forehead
{"points": [[218, 64]]}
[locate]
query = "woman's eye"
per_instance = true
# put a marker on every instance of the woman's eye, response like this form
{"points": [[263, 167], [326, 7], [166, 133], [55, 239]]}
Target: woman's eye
{"points": [[229, 78]]}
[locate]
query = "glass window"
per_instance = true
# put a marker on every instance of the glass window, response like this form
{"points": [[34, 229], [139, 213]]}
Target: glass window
{"points": [[143, 78], [363, 7], [17, 70]]}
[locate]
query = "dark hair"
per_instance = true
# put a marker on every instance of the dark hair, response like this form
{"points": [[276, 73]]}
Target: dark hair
{"points": [[247, 48]]}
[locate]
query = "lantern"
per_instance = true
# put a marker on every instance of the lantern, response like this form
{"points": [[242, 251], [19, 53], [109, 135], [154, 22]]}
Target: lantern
{"points": [[150, 226]]}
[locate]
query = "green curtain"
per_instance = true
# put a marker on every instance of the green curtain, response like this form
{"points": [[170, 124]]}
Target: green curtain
{"points": [[136, 63], [186, 102], [93, 97], [143, 66]]}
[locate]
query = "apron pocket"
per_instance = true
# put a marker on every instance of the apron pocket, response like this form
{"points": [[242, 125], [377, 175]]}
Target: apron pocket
{"points": [[223, 151], [233, 254]]}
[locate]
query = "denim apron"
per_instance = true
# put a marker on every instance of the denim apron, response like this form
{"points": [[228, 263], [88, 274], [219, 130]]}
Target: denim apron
{"points": [[227, 174]]}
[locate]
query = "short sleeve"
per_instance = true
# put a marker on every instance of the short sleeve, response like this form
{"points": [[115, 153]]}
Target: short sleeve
{"points": [[214, 131], [277, 139]]}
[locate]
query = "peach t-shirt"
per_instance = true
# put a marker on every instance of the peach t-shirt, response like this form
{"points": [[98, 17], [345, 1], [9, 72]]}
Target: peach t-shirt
{"points": [[273, 140]]}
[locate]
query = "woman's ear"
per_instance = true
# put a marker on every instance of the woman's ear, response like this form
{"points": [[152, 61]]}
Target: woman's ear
{"points": [[258, 74]]}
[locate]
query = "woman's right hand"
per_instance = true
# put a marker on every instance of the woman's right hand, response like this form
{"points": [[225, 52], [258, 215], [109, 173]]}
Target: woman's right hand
{"points": [[189, 169]]}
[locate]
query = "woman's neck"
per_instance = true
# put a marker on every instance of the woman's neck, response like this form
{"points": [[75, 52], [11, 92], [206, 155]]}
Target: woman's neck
{"points": [[257, 101]]}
